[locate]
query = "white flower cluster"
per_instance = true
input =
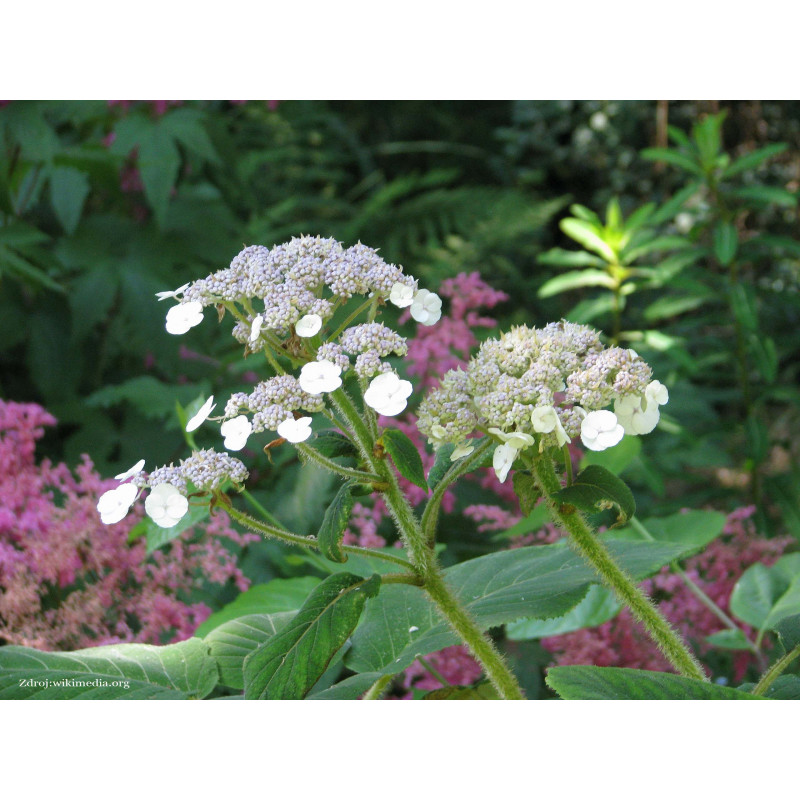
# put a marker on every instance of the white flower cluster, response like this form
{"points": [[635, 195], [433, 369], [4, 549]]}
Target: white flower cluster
{"points": [[544, 386], [301, 285], [167, 503]]}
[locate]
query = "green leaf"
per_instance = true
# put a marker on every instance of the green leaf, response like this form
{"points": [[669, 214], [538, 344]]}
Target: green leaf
{"points": [[234, 640], [596, 488], [575, 280], [788, 630], [670, 209], [639, 217], [615, 459], [729, 640], [333, 444], [179, 671], [186, 125], [69, 188], [441, 465], [159, 162], [558, 257], [707, 135], [655, 245], [613, 215], [334, 523], [766, 195], [586, 214], [692, 529], [481, 691], [278, 595], [613, 683], [672, 157], [542, 582], [726, 242], [597, 607], [764, 596], [349, 689], [666, 307], [754, 159], [288, 665], [526, 490], [588, 235], [405, 456]]}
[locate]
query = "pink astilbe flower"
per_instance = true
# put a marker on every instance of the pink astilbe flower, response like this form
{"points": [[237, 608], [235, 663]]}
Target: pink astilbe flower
{"points": [[66, 580], [621, 642]]}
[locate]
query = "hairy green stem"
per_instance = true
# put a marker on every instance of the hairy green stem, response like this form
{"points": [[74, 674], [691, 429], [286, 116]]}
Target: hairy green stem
{"points": [[346, 472], [701, 595], [375, 692], [424, 559], [273, 532], [775, 671], [430, 516], [587, 543]]}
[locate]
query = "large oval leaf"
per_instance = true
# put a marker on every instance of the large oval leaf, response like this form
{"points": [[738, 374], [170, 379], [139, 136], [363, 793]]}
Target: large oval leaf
{"points": [[179, 671], [544, 581], [614, 683], [288, 665]]}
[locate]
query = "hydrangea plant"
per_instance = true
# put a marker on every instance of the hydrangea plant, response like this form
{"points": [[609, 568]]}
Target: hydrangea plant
{"points": [[323, 316]]}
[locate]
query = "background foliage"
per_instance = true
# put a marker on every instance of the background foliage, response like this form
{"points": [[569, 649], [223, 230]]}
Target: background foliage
{"points": [[671, 226]]}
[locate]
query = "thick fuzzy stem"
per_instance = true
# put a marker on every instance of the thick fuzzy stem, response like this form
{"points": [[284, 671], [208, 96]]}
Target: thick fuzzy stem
{"points": [[587, 543]]}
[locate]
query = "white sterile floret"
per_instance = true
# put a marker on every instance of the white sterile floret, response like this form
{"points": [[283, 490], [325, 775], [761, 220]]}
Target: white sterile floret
{"points": [[295, 430], [182, 317], [309, 325], [388, 394], [601, 430], [464, 449], [401, 295], [656, 393], [201, 416], [255, 328], [176, 294], [129, 473], [426, 307], [165, 505], [113, 505], [317, 377], [438, 436], [503, 459], [545, 420], [519, 441], [236, 431]]}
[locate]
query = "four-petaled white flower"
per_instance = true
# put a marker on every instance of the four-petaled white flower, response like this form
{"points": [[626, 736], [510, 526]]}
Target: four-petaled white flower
{"points": [[295, 430], [165, 505], [546, 420], [201, 416], [640, 415], [113, 505], [388, 394], [308, 326], [463, 449], [182, 317], [426, 307], [317, 377], [517, 440], [401, 295], [601, 430], [129, 473], [255, 328], [176, 294], [236, 431], [503, 459]]}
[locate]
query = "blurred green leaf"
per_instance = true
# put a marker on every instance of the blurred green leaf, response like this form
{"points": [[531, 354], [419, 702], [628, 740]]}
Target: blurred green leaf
{"points": [[765, 195], [69, 188], [754, 159], [672, 157], [729, 640], [576, 280], [764, 596], [588, 235], [558, 257], [726, 241]]}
